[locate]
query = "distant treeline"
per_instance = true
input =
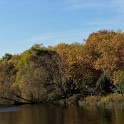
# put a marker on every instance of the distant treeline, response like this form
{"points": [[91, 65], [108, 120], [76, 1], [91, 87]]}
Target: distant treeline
{"points": [[47, 74]]}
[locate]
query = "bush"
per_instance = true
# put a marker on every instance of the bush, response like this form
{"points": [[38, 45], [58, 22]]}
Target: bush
{"points": [[117, 98], [50, 97], [91, 100], [73, 99], [61, 102]]}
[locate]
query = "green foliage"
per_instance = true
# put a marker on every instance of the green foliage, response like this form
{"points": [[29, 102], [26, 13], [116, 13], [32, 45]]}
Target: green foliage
{"points": [[103, 85], [51, 97], [86, 86], [119, 78], [31, 83], [7, 56], [23, 62], [61, 102], [73, 99]]}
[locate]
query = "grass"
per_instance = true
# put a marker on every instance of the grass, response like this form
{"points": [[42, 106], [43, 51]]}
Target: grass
{"points": [[111, 99]]}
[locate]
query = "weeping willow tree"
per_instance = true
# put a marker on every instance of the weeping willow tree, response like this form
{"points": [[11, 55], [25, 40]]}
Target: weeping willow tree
{"points": [[103, 85]]}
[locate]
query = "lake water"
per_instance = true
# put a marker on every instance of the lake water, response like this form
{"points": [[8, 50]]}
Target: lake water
{"points": [[49, 114]]}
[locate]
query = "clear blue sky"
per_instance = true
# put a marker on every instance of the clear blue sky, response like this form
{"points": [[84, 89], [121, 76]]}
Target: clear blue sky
{"points": [[26, 22]]}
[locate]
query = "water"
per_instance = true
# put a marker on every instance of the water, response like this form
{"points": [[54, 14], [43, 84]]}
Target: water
{"points": [[49, 114]]}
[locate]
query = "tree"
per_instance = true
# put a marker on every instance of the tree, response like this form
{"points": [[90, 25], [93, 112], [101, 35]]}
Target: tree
{"points": [[7, 56], [112, 57], [119, 79], [103, 85], [39, 73], [8, 72]]}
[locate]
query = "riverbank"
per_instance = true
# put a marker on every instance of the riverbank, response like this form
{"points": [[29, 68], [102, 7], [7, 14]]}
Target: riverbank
{"points": [[103, 100], [77, 100]]}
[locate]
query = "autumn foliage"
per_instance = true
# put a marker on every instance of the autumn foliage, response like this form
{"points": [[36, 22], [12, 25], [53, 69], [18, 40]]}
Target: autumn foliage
{"points": [[39, 74]]}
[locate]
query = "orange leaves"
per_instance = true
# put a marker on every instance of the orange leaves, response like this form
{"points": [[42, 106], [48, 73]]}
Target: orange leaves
{"points": [[112, 57]]}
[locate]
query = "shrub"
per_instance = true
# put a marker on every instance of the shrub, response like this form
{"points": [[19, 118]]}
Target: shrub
{"points": [[118, 98], [73, 99], [91, 99]]}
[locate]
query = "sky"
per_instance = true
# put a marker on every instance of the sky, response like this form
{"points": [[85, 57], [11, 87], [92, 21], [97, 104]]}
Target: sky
{"points": [[49, 22]]}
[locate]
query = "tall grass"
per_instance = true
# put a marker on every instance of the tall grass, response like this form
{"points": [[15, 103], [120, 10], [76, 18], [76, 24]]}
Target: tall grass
{"points": [[103, 100]]}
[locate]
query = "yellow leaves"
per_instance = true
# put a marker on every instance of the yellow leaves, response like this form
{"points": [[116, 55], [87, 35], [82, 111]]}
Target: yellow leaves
{"points": [[111, 56], [23, 59], [119, 76]]}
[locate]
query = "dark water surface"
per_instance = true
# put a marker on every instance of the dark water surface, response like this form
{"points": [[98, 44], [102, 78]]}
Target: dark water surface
{"points": [[48, 114]]}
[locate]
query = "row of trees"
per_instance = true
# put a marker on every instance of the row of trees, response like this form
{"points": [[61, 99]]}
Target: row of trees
{"points": [[95, 67]]}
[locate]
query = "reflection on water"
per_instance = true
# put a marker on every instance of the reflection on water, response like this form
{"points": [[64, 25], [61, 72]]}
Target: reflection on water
{"points": [[48, 114], [9, 109]]}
